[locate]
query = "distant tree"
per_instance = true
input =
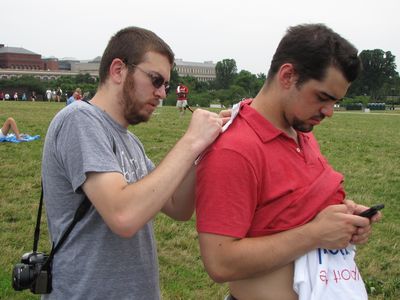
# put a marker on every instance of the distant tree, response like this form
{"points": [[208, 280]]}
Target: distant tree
{"points": [[69, 83], [201, 99], [262, 77], [174, 79], [62, 81], [85, 78], [379, 67], [24, 83], [190, 82], [225, 71], [202, 86], [249, 82], [235, 94]]}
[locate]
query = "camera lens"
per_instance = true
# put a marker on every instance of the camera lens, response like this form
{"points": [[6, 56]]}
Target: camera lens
{"points": [[22, 277]]}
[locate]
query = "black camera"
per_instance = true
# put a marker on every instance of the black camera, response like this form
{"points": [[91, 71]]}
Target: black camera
{"points": [[32, 273]]}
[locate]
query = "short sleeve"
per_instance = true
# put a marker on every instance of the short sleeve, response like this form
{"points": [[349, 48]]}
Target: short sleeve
{"points": [[226, 193], [83, 146]]}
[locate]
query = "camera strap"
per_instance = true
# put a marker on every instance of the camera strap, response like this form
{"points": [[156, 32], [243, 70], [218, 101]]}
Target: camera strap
{"points": [[79, 213], [39, 216]]}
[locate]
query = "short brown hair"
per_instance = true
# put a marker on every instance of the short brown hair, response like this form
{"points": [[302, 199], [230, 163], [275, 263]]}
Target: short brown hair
{"points": [[312, 48], [130, 45]]}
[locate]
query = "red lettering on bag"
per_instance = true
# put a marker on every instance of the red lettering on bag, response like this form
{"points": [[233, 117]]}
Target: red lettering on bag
{"points": [[336, 276], [343, 273], [323, 276]]}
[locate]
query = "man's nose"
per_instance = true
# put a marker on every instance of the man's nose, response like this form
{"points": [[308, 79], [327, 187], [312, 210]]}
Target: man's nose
{"points": [[327, 110], [161, 92]]}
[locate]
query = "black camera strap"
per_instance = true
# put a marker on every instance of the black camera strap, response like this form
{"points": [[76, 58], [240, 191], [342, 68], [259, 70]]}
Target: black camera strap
{"points": [[79, 213], [39, 216]]}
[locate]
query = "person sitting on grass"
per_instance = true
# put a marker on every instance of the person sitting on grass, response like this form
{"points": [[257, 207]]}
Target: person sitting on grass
{"points": [[10, 124]]}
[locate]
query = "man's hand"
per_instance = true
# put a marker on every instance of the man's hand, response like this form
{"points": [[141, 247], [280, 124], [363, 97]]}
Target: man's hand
{"points": [[362, 233], [204, 128], [336, 226], [225, 114]]}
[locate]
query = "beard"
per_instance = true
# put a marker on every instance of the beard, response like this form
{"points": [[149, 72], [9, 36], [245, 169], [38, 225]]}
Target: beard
{"points": [[131, 106], [305, 127], [301, 126]]}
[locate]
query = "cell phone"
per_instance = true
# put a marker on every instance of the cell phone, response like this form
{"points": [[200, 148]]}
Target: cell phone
{"points": [[370, 212]]}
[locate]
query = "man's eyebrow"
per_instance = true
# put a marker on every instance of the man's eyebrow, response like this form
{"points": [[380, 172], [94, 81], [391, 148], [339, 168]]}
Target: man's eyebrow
{"points": [[330, 96]]}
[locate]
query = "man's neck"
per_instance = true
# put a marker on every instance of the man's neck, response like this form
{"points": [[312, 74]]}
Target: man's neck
{"points": [[109, 102], [269, 105]]}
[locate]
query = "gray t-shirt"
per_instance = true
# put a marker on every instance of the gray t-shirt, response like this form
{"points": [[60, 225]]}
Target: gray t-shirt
{"points": [[94, 263]]}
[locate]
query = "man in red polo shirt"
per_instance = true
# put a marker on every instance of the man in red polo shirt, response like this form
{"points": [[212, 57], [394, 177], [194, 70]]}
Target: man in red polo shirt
{"points": [[182, 92], [266, 196]]}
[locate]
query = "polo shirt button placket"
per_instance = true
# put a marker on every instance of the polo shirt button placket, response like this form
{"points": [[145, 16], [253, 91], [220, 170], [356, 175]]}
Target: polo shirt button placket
{"points": [[301, 153]]}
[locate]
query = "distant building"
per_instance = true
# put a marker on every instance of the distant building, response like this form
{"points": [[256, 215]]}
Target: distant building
{"points": [[19, 59], [202, 71], [92, 66], [66, 63], [16, 61], [50, 64]]}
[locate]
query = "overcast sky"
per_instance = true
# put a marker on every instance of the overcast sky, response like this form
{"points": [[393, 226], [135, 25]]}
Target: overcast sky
{"points": [[246, 30]]}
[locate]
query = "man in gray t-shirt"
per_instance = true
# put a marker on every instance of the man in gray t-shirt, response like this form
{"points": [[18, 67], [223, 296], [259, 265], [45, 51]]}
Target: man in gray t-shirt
{"points": [[111, 252]]}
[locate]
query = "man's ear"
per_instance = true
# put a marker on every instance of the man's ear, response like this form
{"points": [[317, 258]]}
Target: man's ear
{"points": [[287, 75], [118, 71]]}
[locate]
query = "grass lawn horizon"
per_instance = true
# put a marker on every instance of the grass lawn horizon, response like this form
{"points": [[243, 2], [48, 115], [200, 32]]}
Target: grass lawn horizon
{"points": [[362, 146]]}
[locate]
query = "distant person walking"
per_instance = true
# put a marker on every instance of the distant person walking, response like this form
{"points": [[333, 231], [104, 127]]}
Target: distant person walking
{"points": [[48, 94], [73, 98], [78, 92], [15, 96], [58, 94], [182, 92]]}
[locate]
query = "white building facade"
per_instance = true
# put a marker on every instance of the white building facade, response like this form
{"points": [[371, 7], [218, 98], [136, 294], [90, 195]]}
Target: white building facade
{"points": [[202, 71]]}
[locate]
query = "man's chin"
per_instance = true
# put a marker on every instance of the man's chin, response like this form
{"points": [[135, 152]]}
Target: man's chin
{"points": [[304, 128], [138, 119], [140, 116]]}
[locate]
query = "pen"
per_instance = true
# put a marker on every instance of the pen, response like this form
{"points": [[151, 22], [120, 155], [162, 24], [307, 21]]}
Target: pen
{"points": [[188, 107]]}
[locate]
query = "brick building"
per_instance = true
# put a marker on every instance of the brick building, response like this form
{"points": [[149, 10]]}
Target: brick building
{"points": [[16, 61], [50, 64], [21, 59]]}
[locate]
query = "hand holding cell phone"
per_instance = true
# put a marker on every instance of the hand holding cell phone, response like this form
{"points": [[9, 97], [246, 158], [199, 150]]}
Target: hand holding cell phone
{"points": [[370, 212]]}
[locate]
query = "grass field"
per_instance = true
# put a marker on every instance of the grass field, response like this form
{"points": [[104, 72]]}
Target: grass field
{"points": [[365, 147]]}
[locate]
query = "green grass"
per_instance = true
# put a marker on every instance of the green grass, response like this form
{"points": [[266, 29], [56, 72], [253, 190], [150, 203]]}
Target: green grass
{"points": [[365, 147]]}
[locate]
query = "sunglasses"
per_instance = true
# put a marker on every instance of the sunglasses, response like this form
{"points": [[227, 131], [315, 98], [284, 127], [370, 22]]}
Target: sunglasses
{"points": [[157, 80]]}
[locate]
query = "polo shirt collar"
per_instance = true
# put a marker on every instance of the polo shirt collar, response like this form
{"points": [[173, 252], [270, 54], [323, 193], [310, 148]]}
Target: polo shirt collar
{"points": [[261, 126], [265, 130]]}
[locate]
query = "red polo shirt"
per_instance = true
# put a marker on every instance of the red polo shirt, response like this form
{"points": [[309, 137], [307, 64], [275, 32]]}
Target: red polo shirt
{"points": [[255, 180]]}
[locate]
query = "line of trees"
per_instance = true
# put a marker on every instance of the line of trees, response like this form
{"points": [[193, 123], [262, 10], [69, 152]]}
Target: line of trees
{"points": [[28, 84], [379, 82], [378, 79], [228, 88]]}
